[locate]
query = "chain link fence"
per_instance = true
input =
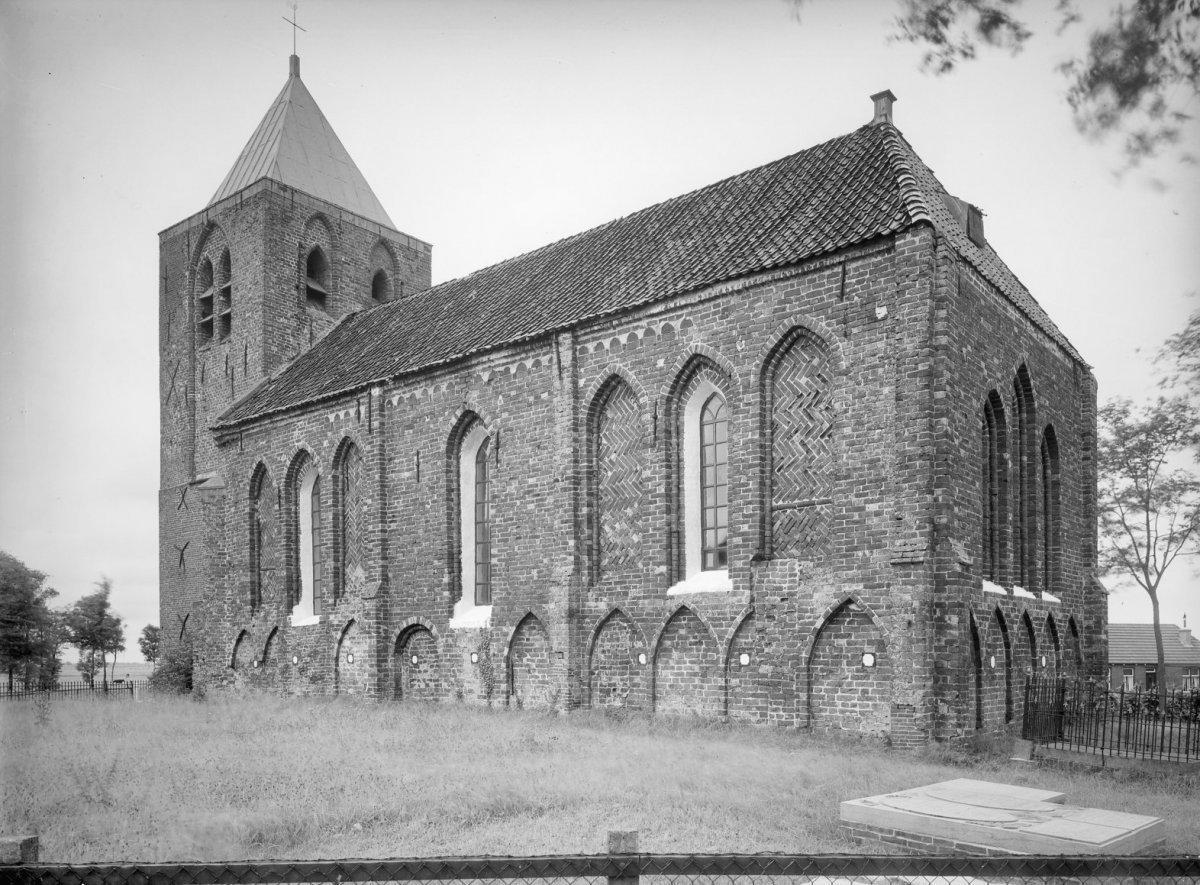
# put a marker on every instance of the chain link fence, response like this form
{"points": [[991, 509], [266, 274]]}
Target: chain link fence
{"points": [[632, 869]]}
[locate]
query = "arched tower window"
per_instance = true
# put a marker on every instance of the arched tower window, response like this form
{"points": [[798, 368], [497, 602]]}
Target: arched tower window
{"points": [[714, 484], [383, 274], [994, 489], [381, 286], [1051, 511], [223, 308], [204, 301], [473, 495], [316, 272]]}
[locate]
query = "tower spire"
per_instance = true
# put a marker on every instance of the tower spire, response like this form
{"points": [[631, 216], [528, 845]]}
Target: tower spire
{"points": [[294, 61]]}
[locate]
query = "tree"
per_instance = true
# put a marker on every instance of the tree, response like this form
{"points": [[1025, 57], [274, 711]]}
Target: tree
{"points": [[29, 630], [1181, 355], [96, 629], [1139, 74], [1149, 508], [148, 642]]}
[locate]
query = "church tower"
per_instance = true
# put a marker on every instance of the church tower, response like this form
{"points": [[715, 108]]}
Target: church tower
{"points": [[293, 240]]}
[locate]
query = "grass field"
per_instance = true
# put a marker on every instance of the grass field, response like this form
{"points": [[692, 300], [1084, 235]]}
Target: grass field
{"points": [[176, 779]]}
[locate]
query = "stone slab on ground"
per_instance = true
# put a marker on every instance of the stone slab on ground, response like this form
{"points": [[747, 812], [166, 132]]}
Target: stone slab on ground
{"points": [[998, 817]]}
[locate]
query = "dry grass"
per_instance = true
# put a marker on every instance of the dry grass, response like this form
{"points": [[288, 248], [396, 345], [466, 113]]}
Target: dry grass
{"points": [[174, 779]]}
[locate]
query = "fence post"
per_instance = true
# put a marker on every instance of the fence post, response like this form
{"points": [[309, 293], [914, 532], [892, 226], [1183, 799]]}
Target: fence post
{"points": [[624, 842], [18, 849]]}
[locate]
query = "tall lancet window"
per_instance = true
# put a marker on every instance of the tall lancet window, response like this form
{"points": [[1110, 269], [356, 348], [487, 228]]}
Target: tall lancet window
{"points": [[483, 518], [307, 590], [714, 484], [475, 462]]}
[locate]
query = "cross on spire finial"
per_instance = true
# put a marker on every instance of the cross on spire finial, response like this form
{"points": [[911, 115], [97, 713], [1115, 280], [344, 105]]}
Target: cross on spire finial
{"points": [[295, 27]]}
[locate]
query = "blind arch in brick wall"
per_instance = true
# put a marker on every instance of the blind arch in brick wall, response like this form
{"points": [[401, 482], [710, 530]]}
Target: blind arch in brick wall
{"points": [[799, 423], [416, 664], [351, 520], [744, 699], [1054, 659], [846, 689], [615, 676], [237, 658], [263, 540], [1029, 641], [351, 664], [976, 674], [618, 458], [531, 670], [687, 675], [1003, 669]]}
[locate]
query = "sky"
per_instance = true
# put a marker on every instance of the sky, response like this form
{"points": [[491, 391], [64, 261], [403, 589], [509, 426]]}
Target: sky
{"points": [[488, 129]]}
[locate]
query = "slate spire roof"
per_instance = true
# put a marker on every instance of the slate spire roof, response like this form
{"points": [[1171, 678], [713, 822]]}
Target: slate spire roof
{"points": [[852, 189], [295, 145]]}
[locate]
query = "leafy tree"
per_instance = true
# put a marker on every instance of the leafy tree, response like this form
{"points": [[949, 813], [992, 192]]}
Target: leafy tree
{"points": [[96, 629], [88, 666], [1138, 75], [1181, 355], [148, 642], [1149, 508], [29, 630]]}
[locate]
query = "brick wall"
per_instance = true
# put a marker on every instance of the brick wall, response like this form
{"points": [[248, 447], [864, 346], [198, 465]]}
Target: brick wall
{"points": [[855, 382]]}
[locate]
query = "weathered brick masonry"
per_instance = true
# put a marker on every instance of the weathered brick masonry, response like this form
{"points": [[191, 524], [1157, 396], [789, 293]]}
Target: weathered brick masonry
{"points": [[853, 353]]}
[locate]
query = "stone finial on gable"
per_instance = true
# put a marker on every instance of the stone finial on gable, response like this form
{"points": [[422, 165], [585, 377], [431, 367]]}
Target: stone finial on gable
{"points": [[883, 106]]}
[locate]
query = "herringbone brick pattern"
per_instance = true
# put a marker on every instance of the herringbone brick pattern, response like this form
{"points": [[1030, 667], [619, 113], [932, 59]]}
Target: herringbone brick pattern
{"points": [[802, 454], [353, 520], [620, 461]]}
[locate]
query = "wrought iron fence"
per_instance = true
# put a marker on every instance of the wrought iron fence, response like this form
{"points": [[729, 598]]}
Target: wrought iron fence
{"points": [[633, 869], [126, 688], [1091, 718]]}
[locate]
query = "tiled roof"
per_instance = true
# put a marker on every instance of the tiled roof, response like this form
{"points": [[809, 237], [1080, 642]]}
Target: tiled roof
{"points": [[862, 185], [1134, 644], [295, 145]]}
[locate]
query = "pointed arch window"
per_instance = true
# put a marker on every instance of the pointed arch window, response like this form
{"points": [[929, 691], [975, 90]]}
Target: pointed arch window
{"points": [[474, 499], [1051, 511], [223, 307], [714, 484], [350, 521], [316, 273], [262, 534], [994, 489], [1025, 510], [204, 301], [483, 523], [307, 584], [703, 485], [381, 286]]}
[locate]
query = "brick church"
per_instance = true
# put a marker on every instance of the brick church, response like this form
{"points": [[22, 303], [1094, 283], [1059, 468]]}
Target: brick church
{"points": [[793, 448]]}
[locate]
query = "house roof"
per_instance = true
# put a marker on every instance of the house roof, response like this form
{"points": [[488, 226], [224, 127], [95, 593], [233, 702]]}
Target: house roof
{"points": [[866, 184], [1134, 644], [295, 145]]}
